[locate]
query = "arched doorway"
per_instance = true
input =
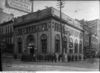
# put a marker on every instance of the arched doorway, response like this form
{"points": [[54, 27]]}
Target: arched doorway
{"points": [[30, 44], [19, 45], [44, 43], [57, 43]]}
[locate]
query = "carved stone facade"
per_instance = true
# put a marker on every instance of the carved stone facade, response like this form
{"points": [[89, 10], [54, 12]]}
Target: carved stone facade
{"points": [[41, 30]]}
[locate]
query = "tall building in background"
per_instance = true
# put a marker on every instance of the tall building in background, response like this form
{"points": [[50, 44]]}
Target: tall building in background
{"points": [[95, 29], [4, 17], [91, 34]]}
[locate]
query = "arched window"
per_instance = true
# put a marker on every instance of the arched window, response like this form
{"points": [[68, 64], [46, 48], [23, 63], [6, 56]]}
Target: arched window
{"points": [[57, 43], [64, 44], [70, 43], [19, 44], [44, 43], [80, 47], [30, 38], [76, 46]]}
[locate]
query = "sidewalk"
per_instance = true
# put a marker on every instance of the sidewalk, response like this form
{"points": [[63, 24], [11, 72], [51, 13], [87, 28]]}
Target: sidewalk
{"points": [[31, 67], [80, 64]]}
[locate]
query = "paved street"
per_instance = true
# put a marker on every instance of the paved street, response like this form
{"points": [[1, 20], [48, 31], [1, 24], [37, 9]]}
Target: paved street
{"points": [[49, 66], [24, 67]]}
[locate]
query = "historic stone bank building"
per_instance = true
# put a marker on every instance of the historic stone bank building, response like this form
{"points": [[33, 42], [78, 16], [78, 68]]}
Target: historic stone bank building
{"points": [[41, 30]]}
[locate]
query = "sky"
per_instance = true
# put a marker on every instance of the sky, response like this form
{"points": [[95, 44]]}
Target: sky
{"points": [[87, 10]]}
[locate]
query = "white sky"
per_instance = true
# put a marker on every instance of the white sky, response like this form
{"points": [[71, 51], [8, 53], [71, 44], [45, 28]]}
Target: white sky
{"points": [[88, 10]]}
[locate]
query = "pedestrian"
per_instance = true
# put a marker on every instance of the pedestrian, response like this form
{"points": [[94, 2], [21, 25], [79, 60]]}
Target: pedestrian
{"points": [[56, 54]]}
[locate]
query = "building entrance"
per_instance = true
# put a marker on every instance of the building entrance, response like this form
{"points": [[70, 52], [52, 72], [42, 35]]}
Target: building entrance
{"points": [[31, 49], [30, 45]]}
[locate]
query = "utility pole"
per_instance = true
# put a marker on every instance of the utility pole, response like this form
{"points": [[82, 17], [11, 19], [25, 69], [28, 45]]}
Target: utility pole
{"points": [[61, 5], [32, 5]]}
